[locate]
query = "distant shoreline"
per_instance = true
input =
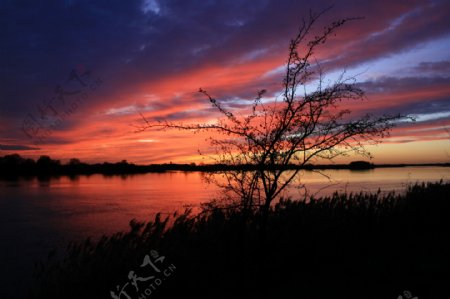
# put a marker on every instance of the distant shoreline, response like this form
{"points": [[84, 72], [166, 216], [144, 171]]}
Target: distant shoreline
{"points": [[15, 165]]}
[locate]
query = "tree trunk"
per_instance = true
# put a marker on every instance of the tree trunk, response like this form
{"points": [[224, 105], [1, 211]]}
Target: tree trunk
{"points": [[264, 219]]}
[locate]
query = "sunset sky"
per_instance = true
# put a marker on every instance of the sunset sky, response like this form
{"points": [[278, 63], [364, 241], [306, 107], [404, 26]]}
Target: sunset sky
{"points": [[151, 57]]}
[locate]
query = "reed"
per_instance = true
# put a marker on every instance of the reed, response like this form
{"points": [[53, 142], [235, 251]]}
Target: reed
{"points": [[343, 246]]}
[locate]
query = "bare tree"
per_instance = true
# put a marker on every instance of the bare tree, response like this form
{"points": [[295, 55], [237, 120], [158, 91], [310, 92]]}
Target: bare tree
{"points": [[267, 147]]}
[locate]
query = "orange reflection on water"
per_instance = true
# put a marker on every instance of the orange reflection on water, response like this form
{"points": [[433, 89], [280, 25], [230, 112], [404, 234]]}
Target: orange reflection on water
{"points": [[96, 205]]}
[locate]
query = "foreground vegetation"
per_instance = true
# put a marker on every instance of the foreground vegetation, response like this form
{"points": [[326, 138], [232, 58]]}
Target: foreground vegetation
{"points": [[344, 246]]}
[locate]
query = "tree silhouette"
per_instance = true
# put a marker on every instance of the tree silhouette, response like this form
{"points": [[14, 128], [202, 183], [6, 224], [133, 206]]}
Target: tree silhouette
{"points": [[74, 162], [293, 130], [47, 166]]}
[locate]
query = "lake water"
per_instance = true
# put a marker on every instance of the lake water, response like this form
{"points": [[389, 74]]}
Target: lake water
{"points": [[38, 215]]}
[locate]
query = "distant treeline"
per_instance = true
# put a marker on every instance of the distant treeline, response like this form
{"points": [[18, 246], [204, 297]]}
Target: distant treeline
{"points": [[13, 165]]}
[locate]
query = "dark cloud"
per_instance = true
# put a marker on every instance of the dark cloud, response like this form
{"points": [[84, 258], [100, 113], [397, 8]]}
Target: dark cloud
{"points": [[408, 96], [128, 44], [388, 84], [431, 106], [5, 147], [420, 23], [42, 41], [434, 67]]}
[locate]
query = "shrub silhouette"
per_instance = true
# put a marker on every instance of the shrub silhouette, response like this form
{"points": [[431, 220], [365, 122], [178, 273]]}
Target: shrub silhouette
{"points": [[298, 128]]}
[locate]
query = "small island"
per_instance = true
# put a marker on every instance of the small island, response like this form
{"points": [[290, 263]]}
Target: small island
{"points": [[360, 165]]}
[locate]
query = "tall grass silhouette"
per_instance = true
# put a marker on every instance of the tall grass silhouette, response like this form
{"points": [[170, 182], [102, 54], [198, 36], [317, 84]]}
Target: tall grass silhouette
{"points": [[342, 246]]}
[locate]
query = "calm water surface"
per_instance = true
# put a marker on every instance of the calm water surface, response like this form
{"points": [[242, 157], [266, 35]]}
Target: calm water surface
{"points": [[38, 215]]}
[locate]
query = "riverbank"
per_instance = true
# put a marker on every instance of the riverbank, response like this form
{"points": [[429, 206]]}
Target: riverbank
{"points": [[344, 246]]}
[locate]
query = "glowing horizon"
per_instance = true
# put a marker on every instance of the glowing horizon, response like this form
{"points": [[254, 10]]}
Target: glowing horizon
{"points": [[159, 55]]}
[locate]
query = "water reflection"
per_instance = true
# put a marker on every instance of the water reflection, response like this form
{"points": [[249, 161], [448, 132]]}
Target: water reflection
{"points": [[97, 204], [37, 214]]}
